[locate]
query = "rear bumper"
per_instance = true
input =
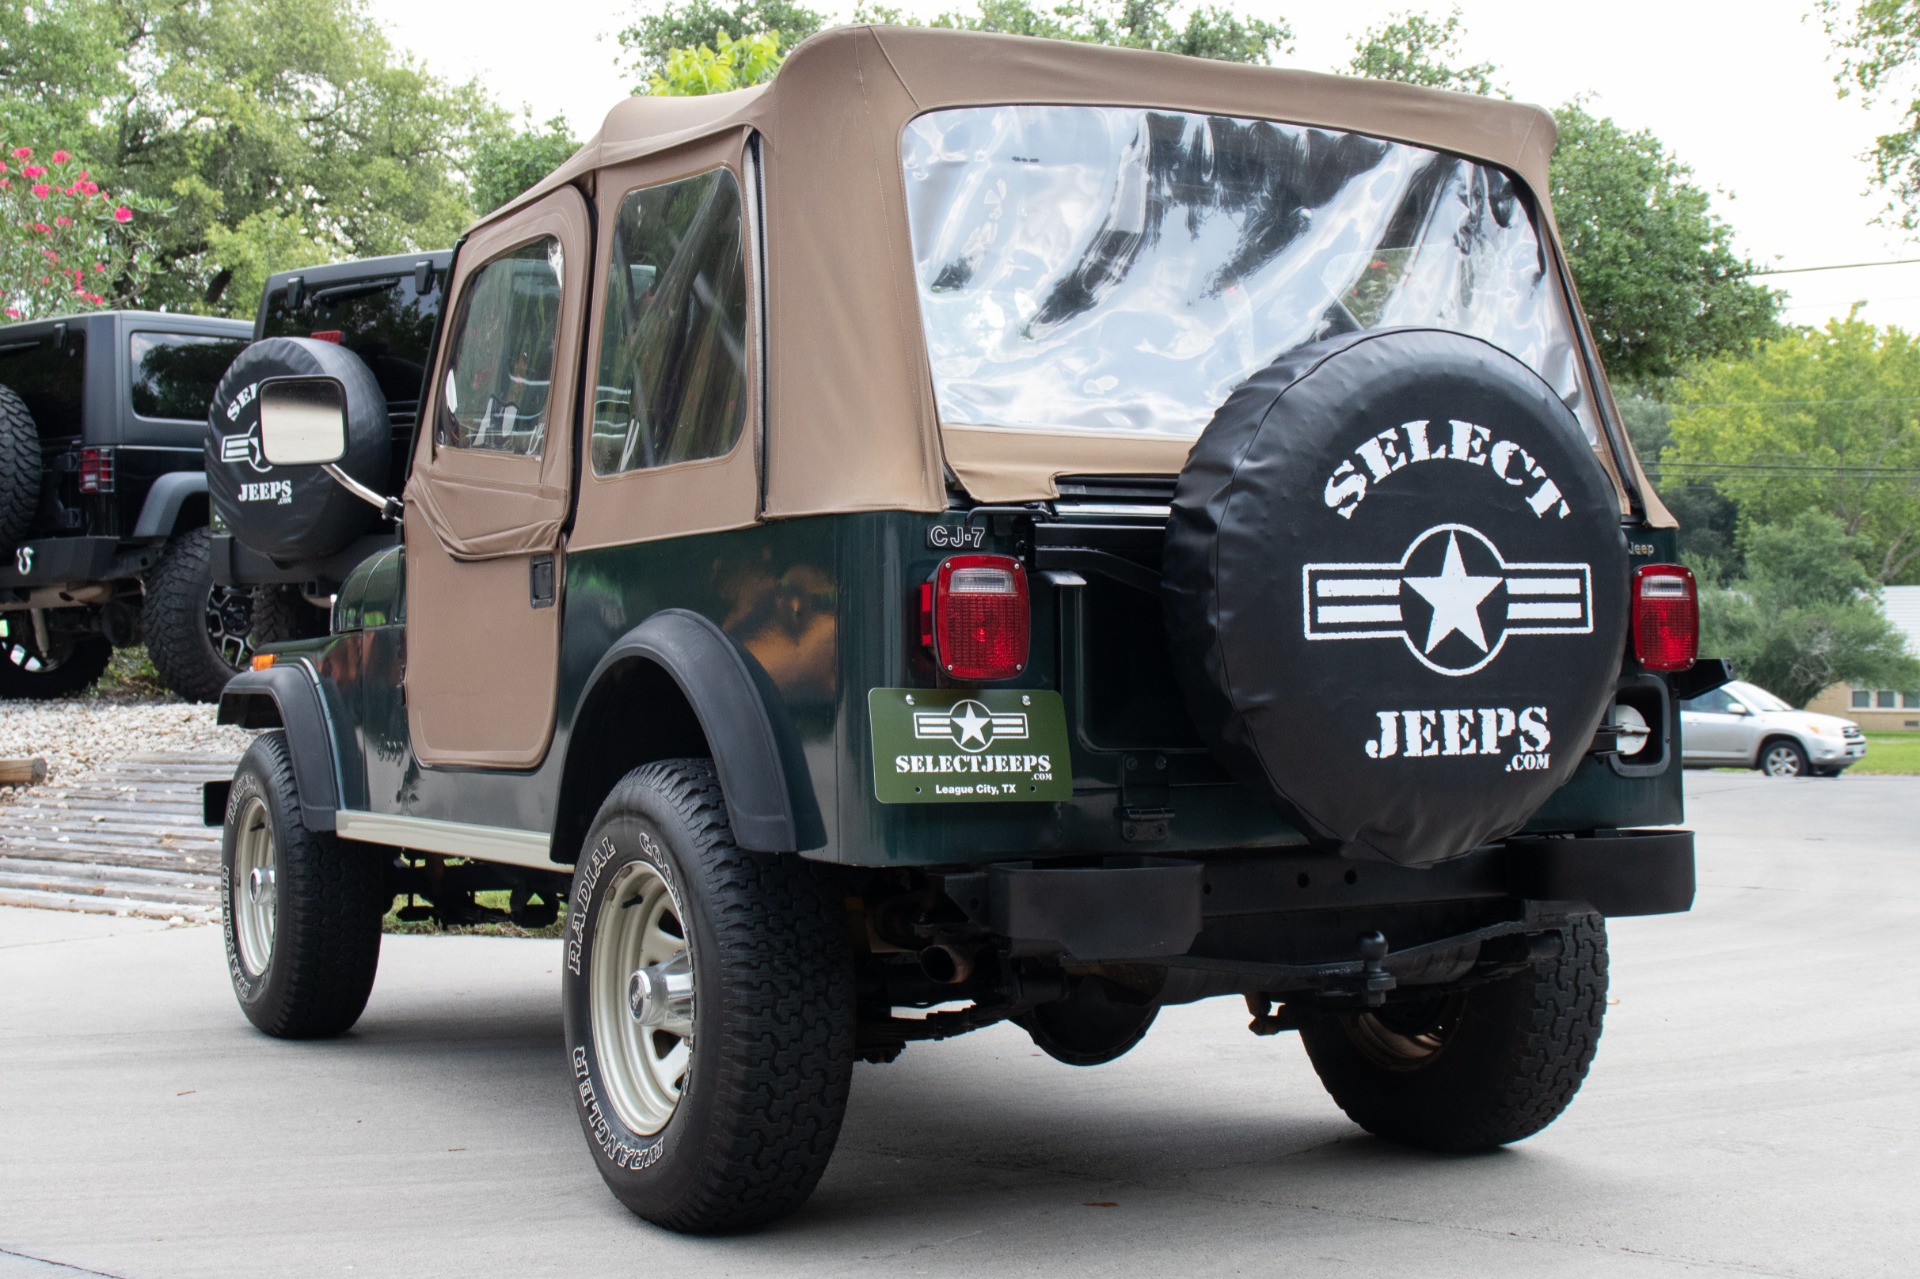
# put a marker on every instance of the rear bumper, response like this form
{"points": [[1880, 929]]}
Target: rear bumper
{"points": [[73, 561], [1138, 908]]}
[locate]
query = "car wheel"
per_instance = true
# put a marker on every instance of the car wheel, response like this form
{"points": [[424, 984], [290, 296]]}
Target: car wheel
{"points": [[1783, 758], [1472, 1069], [199, 633], [709, 1009], [74, 665], [301, 911]]}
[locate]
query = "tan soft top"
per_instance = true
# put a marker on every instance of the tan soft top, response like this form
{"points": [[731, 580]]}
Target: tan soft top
{"points": [[851, 419]]}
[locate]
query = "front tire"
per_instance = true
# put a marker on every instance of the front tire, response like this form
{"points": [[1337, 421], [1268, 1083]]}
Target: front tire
{"points": [[75, 665], [709, 1009], [199, 633], [1472, 1069], [1783, 758], [301, 911]]}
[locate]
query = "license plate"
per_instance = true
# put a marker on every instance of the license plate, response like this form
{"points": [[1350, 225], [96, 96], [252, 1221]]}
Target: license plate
{"points": [[969, 746]]}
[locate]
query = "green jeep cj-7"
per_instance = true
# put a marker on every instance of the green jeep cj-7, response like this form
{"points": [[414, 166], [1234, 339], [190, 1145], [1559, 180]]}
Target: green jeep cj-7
{"points": [[982, 530]]}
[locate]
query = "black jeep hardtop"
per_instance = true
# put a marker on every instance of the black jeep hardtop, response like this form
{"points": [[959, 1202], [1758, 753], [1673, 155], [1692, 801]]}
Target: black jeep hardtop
{"points": [[983, 529]]}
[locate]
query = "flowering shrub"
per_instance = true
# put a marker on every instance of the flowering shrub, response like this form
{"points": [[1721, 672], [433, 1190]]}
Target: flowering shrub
{"points": [[65, 244]]}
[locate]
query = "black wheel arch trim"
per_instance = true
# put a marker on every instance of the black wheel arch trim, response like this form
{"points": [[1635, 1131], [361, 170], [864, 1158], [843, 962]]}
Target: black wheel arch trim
{"points": [[756, 751], [160, 513], [287, 697]]}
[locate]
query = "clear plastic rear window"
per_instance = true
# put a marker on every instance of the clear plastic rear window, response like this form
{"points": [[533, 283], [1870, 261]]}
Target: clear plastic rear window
{"points": [[1121, 270]]}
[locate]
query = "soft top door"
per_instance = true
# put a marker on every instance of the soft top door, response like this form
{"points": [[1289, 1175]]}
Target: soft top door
{"points": [[490, 490]]}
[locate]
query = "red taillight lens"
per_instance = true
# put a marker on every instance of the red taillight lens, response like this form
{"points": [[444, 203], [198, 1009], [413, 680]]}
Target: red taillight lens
{"points": [[978, 617], [336, 336], [1666, 617], [96, 470]]}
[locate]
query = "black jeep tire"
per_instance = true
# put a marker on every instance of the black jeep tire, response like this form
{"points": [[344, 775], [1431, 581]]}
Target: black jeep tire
{"points": [[74, 667], [1782, 757], [1474, 1069], [199, 633], [19, 469], [281, 614], [303, 948], [736, 1132]]}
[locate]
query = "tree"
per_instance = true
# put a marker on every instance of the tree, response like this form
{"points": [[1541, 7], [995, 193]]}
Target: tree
{"points": [[65, 243], [719, 67], [652, 39], [510, 161], [1805, 616], [1413, 48], [1821, 420], [1879, 43], [270, 126]]}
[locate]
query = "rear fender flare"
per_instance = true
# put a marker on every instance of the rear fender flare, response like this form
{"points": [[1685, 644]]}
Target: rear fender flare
{"points": [[288, 698], [763, 773], [160, 513]]}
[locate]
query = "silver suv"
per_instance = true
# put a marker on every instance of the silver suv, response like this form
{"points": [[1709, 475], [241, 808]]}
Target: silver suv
{"points": [[1745, 726]]}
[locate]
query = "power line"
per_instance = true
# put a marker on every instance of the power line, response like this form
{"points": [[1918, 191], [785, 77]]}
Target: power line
{"points": [[1837, 266]]}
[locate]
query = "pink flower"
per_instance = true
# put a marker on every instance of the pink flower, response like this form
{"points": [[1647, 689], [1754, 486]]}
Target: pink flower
{"points": [[12, 314], [23, 153], [41, 191], [63, 220], [34, 171], [42, 228], [83, 175], [123, 214], [46, 279], [100, 266], [51, 255], [89, 188], [3, 166], [61, 157]]}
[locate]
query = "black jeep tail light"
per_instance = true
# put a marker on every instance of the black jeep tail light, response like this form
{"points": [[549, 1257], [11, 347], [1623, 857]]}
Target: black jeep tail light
{"points": [[1666, 617], [96, 470], [975, 614], [336, 336]]}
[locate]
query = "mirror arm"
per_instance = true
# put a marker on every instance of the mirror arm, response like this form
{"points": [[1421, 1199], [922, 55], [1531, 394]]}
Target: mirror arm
{"points": [[390, 507]]}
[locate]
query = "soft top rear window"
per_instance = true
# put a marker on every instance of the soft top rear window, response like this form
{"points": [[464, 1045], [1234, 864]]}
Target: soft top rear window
{"points": [[382, 319], [1121, 270]]}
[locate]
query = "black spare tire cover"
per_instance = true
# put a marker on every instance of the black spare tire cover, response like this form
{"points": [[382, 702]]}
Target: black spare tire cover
{"points": [[1396, 585], [290, 513]]}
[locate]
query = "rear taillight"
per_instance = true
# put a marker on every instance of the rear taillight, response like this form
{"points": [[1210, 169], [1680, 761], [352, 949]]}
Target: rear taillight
{"points": [[96, 470], [973, 615], [336, 336], [1666, 617]]}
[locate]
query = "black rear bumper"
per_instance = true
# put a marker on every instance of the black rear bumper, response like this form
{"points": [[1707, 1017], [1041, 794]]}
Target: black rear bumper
{"points": [[1140, 908]]}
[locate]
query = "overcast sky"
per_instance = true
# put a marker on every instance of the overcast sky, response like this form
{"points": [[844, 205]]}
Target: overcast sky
{"points": [[1742, 91]]}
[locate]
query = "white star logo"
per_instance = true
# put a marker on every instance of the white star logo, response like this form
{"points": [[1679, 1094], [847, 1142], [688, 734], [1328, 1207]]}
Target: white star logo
{"points": [[971, 724], [1456, 597]]}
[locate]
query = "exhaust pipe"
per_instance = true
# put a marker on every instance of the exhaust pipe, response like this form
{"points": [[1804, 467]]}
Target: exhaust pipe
{"points": [[946, 964]]}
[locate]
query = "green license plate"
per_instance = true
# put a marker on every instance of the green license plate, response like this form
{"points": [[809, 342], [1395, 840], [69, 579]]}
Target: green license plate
{"points": [[968, 746]]}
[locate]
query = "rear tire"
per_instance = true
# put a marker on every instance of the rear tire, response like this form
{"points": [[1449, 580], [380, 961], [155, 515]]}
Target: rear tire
{"points": [[281, 614], [301, 908], [20, 469], [1474, 1069], [199, 633], [1784, 758], [722, 1114], [75, 665]]}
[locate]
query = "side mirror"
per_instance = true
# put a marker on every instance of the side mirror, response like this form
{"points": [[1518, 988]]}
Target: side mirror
{"points": [[1738, 708], [303, 421]]}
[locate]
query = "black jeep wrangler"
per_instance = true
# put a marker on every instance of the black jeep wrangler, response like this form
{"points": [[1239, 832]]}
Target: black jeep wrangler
{"points": [[103, 502], [926, 543], [291, 535]]}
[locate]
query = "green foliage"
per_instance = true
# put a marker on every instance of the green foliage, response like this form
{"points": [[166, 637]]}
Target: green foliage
{"points": [[653, 38], [66, 244], [509, 161], [1655, 268], [1414, 48], [1879, 42], [270, 127], [1821, 420], [725, 65], [1805, 616]]}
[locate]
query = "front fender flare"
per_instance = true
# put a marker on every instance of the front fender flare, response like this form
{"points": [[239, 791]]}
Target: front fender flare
{"points": [[287, 697], [763, 773]]}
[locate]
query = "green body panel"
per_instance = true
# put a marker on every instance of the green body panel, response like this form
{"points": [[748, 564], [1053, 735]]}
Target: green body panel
{"points": [[828, 608]]}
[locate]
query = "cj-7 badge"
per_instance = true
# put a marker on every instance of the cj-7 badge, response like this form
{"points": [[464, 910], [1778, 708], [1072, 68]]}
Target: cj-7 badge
{"points": [[1451, 599]]}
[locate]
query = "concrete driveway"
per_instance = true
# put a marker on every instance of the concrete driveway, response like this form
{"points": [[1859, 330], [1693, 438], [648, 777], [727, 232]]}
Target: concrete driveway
{"points": [[1754, 1110]]}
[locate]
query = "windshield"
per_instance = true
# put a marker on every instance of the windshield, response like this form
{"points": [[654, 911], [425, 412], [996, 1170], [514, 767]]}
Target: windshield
{"points": [[1121, 270], [1756, 697]]}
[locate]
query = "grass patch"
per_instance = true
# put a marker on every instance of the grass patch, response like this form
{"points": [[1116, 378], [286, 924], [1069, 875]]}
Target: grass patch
{"points": [[130, 677], [496, 900], [1890, 753]]}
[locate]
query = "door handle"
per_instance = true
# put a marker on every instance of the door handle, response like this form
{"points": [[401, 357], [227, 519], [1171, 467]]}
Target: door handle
{"points": [[540, 581]]}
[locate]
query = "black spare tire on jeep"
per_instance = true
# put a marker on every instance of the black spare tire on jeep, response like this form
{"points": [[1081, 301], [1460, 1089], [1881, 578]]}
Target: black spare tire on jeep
{"points": [[1396, 587], [19, 469], [292, 513]]}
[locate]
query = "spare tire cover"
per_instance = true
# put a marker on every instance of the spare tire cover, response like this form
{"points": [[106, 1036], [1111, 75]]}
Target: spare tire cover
{"points": [[1396, 585], [292, 513]]}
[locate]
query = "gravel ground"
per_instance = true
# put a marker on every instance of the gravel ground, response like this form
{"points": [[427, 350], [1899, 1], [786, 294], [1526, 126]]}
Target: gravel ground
{"points": [[76, 735]]}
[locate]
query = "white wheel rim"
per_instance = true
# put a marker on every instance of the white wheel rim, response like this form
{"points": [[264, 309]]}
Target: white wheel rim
{"points": [[644, 1066], [253, 892], [1782, 763]]}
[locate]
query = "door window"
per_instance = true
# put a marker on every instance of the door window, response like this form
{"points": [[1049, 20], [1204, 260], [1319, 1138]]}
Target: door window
{"points": [[500, 380], [174, 374], [672, 383], [1718, 702]]}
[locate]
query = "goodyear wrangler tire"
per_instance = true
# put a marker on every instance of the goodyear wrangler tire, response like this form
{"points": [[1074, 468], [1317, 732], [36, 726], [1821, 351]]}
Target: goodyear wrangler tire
{"points": [[300, 908], [709, 1009], [1476, 1069], [20, 469], [1395, 587], [289, 513]]}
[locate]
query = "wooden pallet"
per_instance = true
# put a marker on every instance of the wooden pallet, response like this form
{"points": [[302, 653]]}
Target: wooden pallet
{"points": [[124, 839]]}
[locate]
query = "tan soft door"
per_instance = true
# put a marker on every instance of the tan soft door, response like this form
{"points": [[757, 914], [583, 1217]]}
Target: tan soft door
{"points": [[489, 493]]}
